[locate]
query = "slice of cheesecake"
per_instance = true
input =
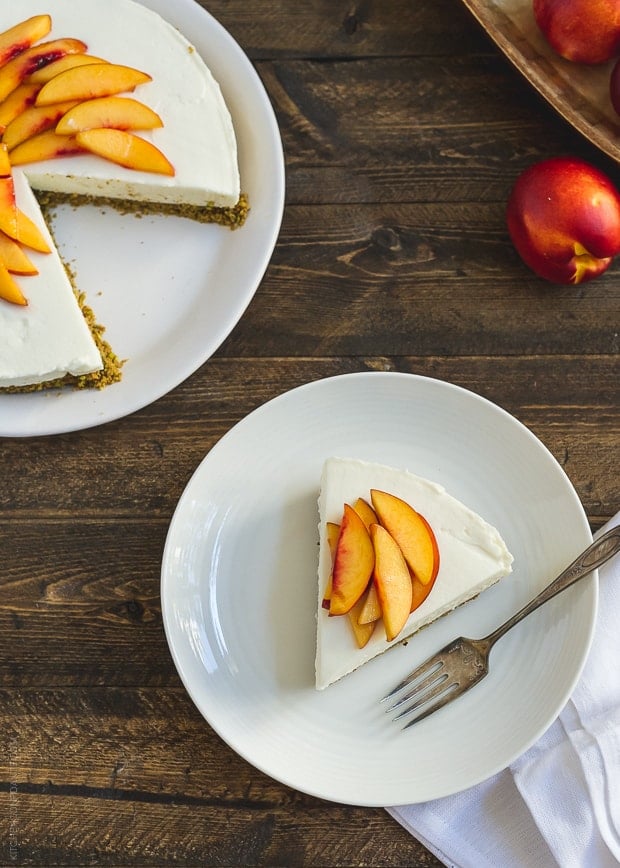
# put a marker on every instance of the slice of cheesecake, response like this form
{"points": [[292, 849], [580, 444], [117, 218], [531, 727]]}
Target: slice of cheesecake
{"points": [[472, 557]]}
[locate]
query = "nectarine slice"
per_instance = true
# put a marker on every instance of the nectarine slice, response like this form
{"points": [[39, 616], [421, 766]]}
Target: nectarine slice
{"points": [[14, 257], [17, 102], [392, 580], [8, 207], [332, 530], [362, 632], [69, 61], [353, 564], [32, 121], [89, 82], [29, 235], [127, 150], [371, 608], [15, 71], [117, 112], [420, 592], [44, 146], [9, 290], [412, 533], [22, 36], [5, 162], [365, 511]]}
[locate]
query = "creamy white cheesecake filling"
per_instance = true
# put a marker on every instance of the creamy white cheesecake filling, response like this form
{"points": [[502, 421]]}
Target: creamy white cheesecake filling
{"points": [[197, 136], [48, 338], [473, 556]]}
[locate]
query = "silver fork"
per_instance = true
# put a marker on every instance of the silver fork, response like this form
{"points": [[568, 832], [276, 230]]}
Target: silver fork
{"points": [[464, 662]]}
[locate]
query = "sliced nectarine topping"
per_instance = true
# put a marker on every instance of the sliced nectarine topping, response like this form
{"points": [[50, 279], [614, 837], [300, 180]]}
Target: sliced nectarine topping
{"points": [[44, 146], [15, 71], [127, 150], [392, 581], [9, 290], [371, 608], [116, 112], [29, 235], [32, 121], [56, 100], [353, 563], [412, 533], [89, 82], [17, 102], [362, 632], [22, 36], [365, 511], [13, 256], [69, 61], [405, 559]]}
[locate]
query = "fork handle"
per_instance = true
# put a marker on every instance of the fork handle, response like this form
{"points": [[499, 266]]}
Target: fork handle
{"points": [[601, 550]]}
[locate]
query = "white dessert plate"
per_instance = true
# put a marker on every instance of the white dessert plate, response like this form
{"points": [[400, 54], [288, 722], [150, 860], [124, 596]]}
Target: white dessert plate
{"points": [[239, 591], [168, 290]]}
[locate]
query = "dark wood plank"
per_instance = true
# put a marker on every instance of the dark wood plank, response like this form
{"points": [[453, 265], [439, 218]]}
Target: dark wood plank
{"points": [[144, 466], [335, 28], [402, 129], [416, 279]]}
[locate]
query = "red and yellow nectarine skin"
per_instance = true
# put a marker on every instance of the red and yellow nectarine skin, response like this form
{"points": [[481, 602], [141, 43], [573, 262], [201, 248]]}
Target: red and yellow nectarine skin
{"points": [[353, 564], [392, 581], [412, 533], [584, 31], [22, 36], [563, 217], [17, 102], [15, 71]]}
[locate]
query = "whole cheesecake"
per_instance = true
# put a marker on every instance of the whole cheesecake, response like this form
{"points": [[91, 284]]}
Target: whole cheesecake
{"points": [[471, 556], [52, 335]]}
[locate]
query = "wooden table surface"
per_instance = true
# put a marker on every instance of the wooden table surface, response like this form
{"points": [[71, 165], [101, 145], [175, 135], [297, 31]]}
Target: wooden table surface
{"points": [[403, 129]]}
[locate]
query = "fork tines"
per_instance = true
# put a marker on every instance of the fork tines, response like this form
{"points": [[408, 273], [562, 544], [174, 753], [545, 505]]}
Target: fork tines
{"points": [[431, 688]]}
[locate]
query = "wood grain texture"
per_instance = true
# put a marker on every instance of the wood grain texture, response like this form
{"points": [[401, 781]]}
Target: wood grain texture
{"points": [[404, 129]]}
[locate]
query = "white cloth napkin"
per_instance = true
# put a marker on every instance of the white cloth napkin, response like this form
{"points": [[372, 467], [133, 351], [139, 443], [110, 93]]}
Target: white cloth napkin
{"points": [[559, 803]]}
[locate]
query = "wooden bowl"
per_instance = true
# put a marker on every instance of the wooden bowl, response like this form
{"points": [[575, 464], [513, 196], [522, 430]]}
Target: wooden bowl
{"points": [[578, 92]]}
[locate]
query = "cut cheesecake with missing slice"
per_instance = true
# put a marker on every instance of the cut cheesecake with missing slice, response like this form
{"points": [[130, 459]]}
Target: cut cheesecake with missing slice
{"points": [[471, 557]]}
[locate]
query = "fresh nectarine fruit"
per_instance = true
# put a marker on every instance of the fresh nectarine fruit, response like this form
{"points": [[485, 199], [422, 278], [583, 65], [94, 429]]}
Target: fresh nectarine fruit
{"points": [[585, 31], [563, 217]]}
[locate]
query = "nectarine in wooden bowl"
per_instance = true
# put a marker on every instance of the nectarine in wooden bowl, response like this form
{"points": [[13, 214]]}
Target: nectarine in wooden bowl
{"points": [[579, 92]]}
